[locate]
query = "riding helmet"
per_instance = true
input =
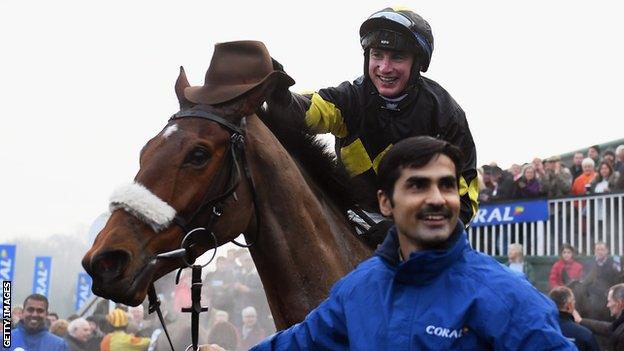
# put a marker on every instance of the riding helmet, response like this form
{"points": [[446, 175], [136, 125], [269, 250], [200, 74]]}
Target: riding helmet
{"points": [[398, 29]]}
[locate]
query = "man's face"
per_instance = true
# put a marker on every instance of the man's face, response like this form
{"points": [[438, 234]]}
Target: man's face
{"points": [[592, 153], [578, 158], [83, 332], [250, 319], [609, 158], [390, 70], [588, 168], [51, 318], [614, 306], [567, 254], [601, 252], [425, 204], [34, 314]]}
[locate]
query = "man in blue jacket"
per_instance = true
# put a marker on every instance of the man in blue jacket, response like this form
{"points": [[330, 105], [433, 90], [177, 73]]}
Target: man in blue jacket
{"points": [[426, 288], [31, 333]]}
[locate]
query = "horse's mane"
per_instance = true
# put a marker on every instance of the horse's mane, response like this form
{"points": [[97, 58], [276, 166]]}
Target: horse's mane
{"points": [[313, 156]]}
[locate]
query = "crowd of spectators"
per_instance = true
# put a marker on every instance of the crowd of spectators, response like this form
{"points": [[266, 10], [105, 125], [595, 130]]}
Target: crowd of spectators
{"points": [[238, 317], [588, 173]]}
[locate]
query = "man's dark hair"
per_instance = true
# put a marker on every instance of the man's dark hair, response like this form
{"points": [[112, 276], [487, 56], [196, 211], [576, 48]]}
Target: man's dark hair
{"points": [[561, 295], [53, 314], [414, 152], [37, 297], [618, 291], [595, 147]]}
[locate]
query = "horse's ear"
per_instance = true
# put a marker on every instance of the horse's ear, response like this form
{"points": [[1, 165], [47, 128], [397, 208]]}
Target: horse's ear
{"points": [[181, 84]]}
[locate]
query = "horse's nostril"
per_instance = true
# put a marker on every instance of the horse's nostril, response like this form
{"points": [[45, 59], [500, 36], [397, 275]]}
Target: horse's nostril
{"points": [[109, 265]]}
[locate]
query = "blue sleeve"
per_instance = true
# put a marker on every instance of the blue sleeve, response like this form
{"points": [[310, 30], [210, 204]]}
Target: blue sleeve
{"points": [[323, 329]]}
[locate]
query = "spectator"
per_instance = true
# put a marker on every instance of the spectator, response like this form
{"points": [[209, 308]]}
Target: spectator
{"points": [[224, 334], [577, 169], [487, 188], [566, 269], [426, 288], [619, 159], [221, 316], [219, 285], [605, 180], [52, 317], [119, 339], [528, 186], [59, 328], [16, 315], [31, 333], [613, 330], [583, 182], [78, 335], [609, 156], [538, 167], [97, 334], [604, 272], [517, 264], [557, 179], [593, 152], [137, 324], [581, 336], [516, 171], [251, 332], [250, 292]]}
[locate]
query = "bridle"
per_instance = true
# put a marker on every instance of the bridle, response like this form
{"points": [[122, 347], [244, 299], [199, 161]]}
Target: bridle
{"points": [[235, 155]]}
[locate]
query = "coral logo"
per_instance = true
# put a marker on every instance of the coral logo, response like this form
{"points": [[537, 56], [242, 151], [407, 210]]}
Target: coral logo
{"points": [[518, 210], [444, 332]]}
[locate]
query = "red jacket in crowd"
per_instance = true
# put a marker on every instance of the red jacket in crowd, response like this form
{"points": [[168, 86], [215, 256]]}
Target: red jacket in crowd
{"points": [[573, 269]]}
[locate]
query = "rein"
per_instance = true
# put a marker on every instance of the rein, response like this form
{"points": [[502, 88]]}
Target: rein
{"points": [[236, 156]]}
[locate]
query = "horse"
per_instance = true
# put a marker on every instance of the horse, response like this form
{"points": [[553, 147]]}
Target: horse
{"points": [[220, 167]]}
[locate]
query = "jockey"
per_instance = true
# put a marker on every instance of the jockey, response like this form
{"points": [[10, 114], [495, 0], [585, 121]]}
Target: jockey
{"points": [[389, 103]]}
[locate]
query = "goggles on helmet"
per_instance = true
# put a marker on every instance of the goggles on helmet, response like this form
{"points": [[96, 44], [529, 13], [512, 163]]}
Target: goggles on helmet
{"points": [[403, 21]]}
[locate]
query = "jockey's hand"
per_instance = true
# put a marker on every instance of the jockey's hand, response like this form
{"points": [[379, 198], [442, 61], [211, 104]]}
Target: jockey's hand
{"points": [[281, 94], [211, 347]]}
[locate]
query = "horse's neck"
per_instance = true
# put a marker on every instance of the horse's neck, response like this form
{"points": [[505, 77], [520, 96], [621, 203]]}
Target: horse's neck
{"points": [[305, 243]]}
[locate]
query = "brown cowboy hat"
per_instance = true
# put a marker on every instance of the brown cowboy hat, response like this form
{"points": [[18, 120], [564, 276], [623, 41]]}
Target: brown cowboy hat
{"points": [[236, 68]]}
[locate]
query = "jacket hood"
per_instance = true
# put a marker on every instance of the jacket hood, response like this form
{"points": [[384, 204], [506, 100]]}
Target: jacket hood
{"points": [[422, 266]]}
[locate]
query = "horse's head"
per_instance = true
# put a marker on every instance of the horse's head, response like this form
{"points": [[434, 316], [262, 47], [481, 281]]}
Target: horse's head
{"points": [[191, 175]]}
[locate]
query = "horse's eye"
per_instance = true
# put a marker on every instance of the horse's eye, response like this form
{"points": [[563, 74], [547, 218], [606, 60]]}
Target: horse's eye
{"points": [[198, 157]]}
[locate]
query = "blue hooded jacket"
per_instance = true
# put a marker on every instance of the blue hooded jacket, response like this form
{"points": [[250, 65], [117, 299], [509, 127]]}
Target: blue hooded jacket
{"points": [[41, 340], [453, 299]]}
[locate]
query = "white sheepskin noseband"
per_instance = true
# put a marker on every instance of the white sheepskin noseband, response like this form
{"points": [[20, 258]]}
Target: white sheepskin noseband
{"points": [[137, 200]]}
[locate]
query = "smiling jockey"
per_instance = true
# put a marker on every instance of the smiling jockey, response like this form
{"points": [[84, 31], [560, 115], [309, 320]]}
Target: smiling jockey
{"points": [[389, 103]]}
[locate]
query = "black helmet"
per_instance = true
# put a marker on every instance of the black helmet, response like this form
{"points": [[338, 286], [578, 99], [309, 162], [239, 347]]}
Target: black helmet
{"points": [[398, 29]]}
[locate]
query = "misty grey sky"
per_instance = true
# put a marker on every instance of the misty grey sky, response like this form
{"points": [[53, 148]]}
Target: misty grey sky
{"points": [[84, 85]]}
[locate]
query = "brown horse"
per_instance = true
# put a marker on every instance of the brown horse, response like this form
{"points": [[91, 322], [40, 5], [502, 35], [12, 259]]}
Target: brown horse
{"points": [[294, 214]]}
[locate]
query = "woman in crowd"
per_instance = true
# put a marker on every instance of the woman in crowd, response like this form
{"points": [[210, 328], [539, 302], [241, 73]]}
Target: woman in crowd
{"points": [[566, 269], [527, 186], [606, 179], [578, 187]]}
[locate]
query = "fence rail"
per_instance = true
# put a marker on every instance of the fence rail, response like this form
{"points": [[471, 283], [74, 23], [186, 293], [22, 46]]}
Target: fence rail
{"points": [[578, 221]]}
